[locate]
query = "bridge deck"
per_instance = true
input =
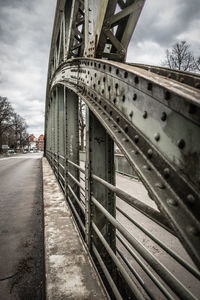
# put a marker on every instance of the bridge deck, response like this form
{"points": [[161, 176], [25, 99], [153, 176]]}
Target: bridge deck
{"points": [[69, 273]]}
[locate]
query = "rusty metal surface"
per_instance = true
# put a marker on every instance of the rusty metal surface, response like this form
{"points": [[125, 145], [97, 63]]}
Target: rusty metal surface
{"points": [[151, 113], [191, 79]]}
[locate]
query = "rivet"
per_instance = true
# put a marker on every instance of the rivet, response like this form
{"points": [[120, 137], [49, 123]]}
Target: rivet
{"points": [[114, 100], [145, 114], [125, 74], [104, 79], [116, 85], [147, 167], [192, 109], [197, 85], [160, 185], [131, 114], [167, 95], [193, 230], [126, 129], [172, 202], [149, 86], [136, 138], [181, 143], [118, 119], [157, 136], [190, 199], [136, 80], [134, 97], [123, 98], [163, 116], [150, 153], [166, 172]]}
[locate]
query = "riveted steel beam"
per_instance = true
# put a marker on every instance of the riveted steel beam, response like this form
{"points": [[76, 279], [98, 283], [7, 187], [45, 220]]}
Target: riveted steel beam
{"points": [[100, 161], [117, 29], [191, 79], [148, 117]]}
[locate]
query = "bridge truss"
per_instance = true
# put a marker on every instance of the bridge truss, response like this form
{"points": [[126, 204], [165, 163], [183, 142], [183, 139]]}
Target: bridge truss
{"points": [[153, 115]]}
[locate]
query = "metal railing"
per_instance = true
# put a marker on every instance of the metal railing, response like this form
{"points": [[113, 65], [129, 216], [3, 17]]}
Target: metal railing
{"points": [[128, 247]]}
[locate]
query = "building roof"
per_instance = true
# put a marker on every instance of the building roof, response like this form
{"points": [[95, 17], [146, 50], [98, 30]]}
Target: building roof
{"points": [[41, 137]]}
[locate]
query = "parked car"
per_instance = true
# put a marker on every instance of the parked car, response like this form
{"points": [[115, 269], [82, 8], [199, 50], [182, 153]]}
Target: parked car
{"points": [[11, 151]]}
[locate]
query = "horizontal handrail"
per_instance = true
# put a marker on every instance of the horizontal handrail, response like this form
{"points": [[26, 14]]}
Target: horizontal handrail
{"points": [[137, 204], [163, 246], [161, 270], [77, 166]]}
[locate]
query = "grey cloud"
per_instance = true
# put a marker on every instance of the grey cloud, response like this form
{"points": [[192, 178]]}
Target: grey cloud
{"points": [[162, 23], [25, 35]]}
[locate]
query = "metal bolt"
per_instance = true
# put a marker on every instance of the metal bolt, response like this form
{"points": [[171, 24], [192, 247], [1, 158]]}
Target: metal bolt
{"points": [[145, 114], [136, 80], [172, 202], [136, 138], [192, 109], [194, 231], [181, 143], [190, 199], [131, 114], [134, 97], [157, 136], [166, 172], [197, 85], [147, 167], [163, 116], [167, 95], [160, 185], [149, 86], [150, 153]]}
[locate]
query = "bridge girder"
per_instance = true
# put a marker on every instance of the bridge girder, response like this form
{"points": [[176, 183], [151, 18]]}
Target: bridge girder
{"points": [[151, 113]]}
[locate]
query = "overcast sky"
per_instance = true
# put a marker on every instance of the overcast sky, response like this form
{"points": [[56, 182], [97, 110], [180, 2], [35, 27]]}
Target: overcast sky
{"points": [[25, 34]]}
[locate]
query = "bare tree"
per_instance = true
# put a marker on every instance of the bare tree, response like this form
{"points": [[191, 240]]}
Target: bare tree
{"points": [[180, 57], [82, 122], [198, 64], [19, 127], [13, 128], [6, 113]]}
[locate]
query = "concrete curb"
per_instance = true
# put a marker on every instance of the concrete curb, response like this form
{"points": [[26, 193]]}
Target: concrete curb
{"points": [[69, 273]]}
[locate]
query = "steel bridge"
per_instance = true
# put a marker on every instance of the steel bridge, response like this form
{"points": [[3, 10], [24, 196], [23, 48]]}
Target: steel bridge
{"points": [[152, 114]]}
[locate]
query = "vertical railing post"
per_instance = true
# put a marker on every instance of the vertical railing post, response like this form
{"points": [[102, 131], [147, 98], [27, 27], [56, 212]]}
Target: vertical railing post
{"points": [[66, 176], [57, 129], [99, 161], [53, 128], [60, 131], [72, 143]]}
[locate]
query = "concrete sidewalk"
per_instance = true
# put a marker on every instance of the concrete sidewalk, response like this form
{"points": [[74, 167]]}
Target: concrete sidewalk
{"points": [[69, 273]]}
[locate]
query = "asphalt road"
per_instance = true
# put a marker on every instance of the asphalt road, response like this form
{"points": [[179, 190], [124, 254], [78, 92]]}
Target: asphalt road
{"points": [[21, 228]]}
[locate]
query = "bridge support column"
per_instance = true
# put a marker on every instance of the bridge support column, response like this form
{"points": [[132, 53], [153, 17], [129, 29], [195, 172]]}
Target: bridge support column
{"points": [[72, 148], [99, 161]]}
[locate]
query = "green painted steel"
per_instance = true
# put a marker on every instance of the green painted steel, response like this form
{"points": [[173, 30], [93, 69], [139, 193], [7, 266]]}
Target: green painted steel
{"points": [[154, 121]]}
